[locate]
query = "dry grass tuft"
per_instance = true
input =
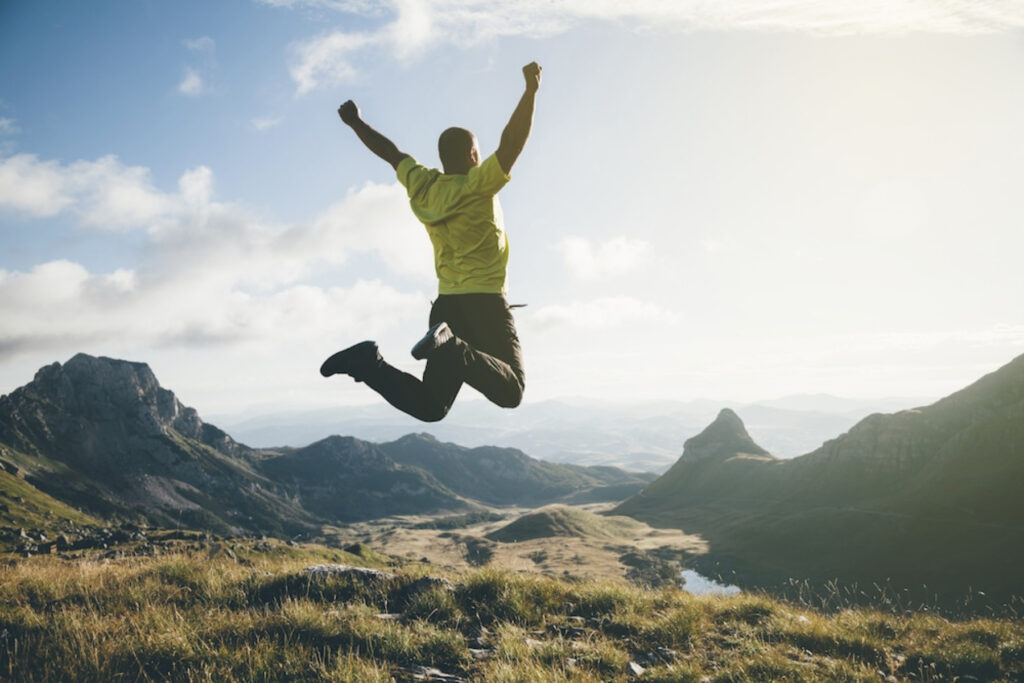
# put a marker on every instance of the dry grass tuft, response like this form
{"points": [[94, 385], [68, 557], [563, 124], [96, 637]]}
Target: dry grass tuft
{"points": [[185, 616]]}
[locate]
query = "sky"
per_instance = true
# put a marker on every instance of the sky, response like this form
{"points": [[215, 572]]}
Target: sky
{"points": [[737, 200]]}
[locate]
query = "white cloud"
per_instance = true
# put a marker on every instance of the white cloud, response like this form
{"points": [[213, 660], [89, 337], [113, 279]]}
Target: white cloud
{"points": [[104, 193], [417, 25], [114, 196], [195, 81], [191, 83], [209, 272], [842, 17], [376, 219], [8, 127], [604, 313], [201, 44], [265, 123], [614, 257], [325, 60], [33, 187], [196, 186], [120, 310], [413, 28]]}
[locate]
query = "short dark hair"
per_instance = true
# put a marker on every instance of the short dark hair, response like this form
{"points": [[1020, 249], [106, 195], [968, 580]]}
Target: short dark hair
{"points": [[453, 146]]}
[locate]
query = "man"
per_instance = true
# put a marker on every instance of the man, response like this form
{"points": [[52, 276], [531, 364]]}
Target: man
{"points": [[472, 336]]}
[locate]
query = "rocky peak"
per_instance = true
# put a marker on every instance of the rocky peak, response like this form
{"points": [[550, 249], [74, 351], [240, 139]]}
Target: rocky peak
{"points": [[107, 391], [723, 438], [104, 388]]}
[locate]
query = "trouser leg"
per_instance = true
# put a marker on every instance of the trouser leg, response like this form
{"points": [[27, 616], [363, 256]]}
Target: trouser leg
{"points": [[485, 354], [486, 336], [428, 399]]}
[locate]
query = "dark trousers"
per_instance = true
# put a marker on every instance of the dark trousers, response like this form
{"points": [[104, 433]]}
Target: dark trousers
{"points": [[485, 355]]}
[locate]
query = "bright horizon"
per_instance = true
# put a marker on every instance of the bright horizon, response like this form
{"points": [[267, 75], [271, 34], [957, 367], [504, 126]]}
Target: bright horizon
{"points": [[717, 201]]}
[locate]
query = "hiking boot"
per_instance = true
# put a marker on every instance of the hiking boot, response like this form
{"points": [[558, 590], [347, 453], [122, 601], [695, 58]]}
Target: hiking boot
{"points": [[436, 337], [357, 361]]}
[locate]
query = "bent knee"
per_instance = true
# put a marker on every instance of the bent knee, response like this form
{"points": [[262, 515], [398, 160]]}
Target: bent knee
{"points": [[434, 413], [513, 398]]}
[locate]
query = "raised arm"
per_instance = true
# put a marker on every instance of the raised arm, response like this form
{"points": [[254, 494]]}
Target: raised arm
{"points": [[374, 141], [513, 138]]}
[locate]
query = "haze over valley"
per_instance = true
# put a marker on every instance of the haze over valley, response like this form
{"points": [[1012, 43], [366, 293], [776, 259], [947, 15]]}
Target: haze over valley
{"points": [[633, 435]]}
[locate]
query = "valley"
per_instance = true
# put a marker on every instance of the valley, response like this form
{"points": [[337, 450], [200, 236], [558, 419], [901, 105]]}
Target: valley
{"points": [[557, 540]]}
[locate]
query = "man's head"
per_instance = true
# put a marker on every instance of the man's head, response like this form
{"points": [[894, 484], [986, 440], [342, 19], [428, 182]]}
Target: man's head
{"points": [[458, 150]]}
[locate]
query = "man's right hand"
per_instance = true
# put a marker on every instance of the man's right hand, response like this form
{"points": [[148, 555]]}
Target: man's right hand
{"points": [[532, 74], [349, 112]]}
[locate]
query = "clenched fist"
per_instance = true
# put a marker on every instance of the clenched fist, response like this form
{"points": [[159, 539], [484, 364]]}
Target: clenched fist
{"points": [[532, 74], [349, 112]]}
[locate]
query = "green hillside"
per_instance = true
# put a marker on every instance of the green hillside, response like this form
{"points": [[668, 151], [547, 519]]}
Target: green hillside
{"points": [[24, 506], [559, 520], [927, 498], [232, 609]]}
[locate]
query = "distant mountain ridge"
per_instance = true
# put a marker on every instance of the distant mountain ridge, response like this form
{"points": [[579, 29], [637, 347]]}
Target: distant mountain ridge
{"points": [[103, 436], [931, 494], [507, 476], [642, 436]]}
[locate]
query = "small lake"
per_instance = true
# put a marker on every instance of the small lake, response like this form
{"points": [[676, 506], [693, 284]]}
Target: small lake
{"points": [[698, 584]]}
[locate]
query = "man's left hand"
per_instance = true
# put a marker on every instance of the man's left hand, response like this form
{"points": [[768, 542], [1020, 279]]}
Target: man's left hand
{"points": [[532, 74]]}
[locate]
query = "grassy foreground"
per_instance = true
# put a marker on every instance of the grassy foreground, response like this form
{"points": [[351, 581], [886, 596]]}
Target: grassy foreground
{"points": [[203, 613]]}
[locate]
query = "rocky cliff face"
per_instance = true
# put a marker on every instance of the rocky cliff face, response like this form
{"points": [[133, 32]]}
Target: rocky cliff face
{"points": [[92, 404], [103, 435]]}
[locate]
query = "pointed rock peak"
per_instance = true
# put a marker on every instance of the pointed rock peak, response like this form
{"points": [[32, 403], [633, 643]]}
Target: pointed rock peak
{"points": [[727, 425], [728, 419], [723, 438]]}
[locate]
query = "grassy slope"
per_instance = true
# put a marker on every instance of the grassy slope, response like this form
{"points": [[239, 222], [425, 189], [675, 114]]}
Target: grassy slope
{"points": [[928, 497], [559, 520], [188, 615], [23, 505]]}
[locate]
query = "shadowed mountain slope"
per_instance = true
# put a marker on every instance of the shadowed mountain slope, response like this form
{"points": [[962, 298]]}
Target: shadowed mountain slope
{"points": [[507, 476], [341, 478], [929, 495]]}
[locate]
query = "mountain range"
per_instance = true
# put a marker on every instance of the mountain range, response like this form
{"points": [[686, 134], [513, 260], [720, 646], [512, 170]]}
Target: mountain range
{"points": [[643, 436], [102, 437], [929, 495]]}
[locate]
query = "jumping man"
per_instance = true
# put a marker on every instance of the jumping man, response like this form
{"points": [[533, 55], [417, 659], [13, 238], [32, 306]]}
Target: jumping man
{"points": [[472, 337]]}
